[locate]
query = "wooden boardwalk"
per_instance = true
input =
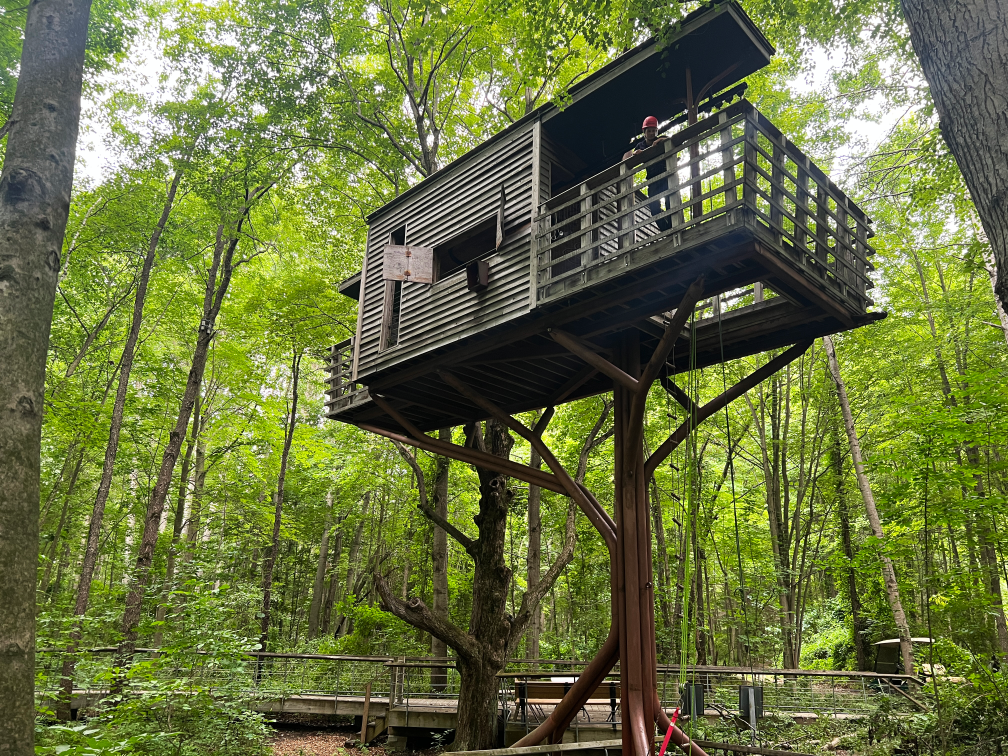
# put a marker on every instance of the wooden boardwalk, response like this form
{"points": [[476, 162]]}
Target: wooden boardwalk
{"points": [[419, 717], [302, 684]]}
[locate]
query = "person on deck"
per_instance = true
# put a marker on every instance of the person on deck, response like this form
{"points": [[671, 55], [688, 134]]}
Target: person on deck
{"points": [[654, 169]]}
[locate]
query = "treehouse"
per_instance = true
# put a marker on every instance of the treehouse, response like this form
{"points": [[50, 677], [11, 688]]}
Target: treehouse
{"points": [[552, 262], [545, 231]]}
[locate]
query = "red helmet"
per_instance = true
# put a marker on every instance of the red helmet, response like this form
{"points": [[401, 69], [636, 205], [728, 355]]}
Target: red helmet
{"points": [[650, 122]]}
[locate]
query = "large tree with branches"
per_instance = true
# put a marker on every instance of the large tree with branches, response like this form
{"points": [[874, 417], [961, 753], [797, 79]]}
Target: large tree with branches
{"points": [[493, 634]]}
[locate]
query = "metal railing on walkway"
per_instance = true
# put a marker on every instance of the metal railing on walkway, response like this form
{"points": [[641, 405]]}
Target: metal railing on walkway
{"points": [[433, 684]]}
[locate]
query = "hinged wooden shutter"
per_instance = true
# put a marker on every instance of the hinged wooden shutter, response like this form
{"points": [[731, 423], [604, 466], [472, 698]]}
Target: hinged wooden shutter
{"points": [[404, 263]]}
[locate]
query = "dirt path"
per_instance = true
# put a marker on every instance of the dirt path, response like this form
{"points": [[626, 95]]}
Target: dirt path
{"points": [[307, 741]]}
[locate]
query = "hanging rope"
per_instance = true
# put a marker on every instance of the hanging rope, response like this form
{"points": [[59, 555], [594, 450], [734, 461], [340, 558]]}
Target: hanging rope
{"points": [[927, 588], [738, 538], [690, 461]]}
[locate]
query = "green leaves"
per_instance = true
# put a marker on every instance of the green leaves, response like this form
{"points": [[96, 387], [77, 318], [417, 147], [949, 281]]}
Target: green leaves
{"points": [[85, 740]]}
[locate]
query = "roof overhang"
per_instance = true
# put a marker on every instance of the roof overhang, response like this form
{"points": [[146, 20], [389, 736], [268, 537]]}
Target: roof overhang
{"points": [[350, 287], [718, 45]]}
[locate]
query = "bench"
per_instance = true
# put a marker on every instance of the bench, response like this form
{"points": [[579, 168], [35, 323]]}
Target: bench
{"points": [[531, 695]]}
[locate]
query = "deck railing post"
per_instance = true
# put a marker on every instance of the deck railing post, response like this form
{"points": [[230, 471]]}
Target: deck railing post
{"points": [[749, 171], [674, 195], [393, 682], [586, 222], [333, 392], [543, 226], [801, 210], [728, 161], [626, 207], [777, 193], [403, 690], [833, 680], [842, 250], [822, 230], [861, 245]]}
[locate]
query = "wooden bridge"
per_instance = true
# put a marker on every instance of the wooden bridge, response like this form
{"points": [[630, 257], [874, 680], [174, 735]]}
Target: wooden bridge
{"points": [[413, 698]]}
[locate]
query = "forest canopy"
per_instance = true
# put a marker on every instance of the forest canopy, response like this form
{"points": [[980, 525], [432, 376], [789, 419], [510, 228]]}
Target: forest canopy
{"points": [[194, 495]]}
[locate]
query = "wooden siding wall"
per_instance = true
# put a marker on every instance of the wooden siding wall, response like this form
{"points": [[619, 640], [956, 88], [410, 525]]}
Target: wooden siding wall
{"points": [[432, 316]]}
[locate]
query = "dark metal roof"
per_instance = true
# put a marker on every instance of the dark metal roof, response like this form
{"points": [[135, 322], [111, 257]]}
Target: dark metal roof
{"points": [[720, 45], [350, 287]]}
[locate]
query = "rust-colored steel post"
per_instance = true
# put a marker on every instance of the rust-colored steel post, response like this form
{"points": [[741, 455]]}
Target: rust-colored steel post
{"points": [[634, 580]]}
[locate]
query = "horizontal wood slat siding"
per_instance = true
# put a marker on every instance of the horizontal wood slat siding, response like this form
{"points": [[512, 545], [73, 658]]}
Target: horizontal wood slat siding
{"points": [[434, 315]]}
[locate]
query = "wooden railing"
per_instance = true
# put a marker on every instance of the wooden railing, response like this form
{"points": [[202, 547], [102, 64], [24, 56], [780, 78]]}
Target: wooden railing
{"points": [[342, 391], [730, 170]]}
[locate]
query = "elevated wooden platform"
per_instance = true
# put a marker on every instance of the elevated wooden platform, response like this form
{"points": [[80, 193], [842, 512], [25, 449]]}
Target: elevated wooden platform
{"points": [[783, 253]]}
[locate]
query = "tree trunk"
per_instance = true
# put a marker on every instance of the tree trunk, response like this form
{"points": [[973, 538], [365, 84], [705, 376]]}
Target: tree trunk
{"points": [[772, 461], [698, 595], [493, 634], [64, 560], [271, 555], [55, 486], [407, 562], [888, 573], [477, 704], [989, 560], [177, 522], [111, 449], [991, 267], [213, 298], [857, 620], [487, 624], [680, 588], [62, 521], [342, 624], [963, 51], [333, 591], [439, 562], [194, 521], [313, 614], [534, 559], [35, 191]]}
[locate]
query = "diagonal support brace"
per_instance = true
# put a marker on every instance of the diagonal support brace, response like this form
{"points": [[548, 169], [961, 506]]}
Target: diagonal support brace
{"points": [[714, 405], [588, 353], [595, 514], [466, 454], [679, 395], [654, 366]]}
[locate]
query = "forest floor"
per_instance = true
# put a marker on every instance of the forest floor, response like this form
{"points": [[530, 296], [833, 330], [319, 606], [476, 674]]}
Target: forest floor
{"points": [[295, 739]]}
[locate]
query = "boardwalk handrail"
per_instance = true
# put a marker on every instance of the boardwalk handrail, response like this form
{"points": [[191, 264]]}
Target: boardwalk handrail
{"points": [[425, 662], [204, 652], [416, 681]]}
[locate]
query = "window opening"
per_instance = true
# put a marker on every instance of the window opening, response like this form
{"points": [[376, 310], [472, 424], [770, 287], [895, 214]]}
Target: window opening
{"points": [[453, 255], [392, 307], [393, 331]]}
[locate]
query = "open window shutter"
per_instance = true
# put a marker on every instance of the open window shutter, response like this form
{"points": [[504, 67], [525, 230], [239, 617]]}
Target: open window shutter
{"points": [[404, 263], [500, 220]]}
